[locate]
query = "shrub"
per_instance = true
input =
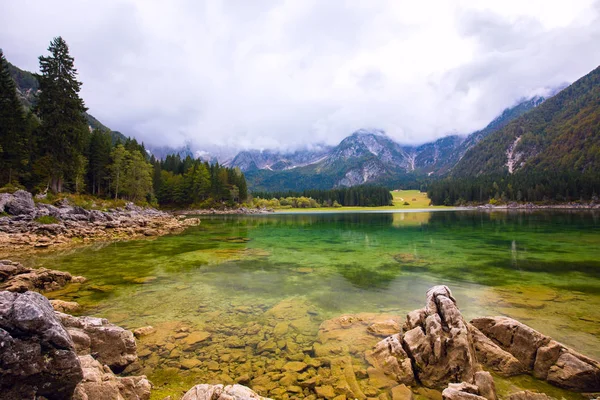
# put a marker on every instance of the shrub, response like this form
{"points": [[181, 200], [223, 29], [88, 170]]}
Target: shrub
{"points": [[46, 220], [11, 188]]}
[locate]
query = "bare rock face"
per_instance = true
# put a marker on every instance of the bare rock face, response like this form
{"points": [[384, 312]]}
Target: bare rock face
{"points": [[19, 203], [99, 383], [437, 340], [108, 343], [220, 392], [492, 356], [539, 354], [37, 355], [390, 357], [516, 338]]}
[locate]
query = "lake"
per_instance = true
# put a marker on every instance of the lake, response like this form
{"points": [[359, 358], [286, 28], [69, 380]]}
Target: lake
{"points": [[238, 296]]}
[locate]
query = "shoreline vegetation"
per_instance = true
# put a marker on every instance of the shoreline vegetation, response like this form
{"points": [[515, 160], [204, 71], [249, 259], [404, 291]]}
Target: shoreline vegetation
{"points": [[432, 353]]}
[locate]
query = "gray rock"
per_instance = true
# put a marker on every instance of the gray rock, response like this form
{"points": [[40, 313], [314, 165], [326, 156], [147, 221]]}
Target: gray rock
{"points": [[37, 355], [108, 343], [21, 203]]}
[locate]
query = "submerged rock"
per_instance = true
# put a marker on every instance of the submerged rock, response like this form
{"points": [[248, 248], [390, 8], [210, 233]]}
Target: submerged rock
{"points": [[14, 277], [220, 392], [37, 355]]}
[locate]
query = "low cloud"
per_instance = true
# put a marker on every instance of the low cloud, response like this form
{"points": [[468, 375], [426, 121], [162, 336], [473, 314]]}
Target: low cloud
{"points": [[285, 74]]}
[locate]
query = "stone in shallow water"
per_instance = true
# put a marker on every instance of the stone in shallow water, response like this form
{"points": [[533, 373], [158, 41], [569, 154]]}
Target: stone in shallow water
{"points": [[295, 366], [196, 337]]}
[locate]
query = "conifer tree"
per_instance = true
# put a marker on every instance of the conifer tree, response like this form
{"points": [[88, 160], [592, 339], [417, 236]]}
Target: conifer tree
{"points": [[61, 112], [13, 151]]}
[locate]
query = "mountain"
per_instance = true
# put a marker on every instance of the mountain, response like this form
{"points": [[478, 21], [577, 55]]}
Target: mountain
{"points": [[277, 161], [366, 156], [28, 88], [560, 135]]}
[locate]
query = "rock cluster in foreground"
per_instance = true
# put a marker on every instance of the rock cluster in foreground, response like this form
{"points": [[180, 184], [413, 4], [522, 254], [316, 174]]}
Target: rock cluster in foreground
{"points": [[40, 357], [20, 229], [439, 349]]}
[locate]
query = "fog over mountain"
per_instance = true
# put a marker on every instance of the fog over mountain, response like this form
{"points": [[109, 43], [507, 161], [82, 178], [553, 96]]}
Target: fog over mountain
{"points": [[284, 75]]}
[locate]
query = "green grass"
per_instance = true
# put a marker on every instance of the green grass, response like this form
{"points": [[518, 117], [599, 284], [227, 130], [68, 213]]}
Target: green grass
{"points": [[46, 220], [414, 198], [85, 201]]}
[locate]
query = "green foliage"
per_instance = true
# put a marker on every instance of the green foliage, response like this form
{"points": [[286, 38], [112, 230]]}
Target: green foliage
{"points": [[60, 110], [11, 188], [131, 174], [46, 220], [362, 196], [187, 182], [523, 186], [13, 133]]}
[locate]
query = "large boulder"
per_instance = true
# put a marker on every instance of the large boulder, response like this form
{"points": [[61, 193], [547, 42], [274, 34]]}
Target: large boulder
{"points": [[21, 203], [37, 355], [108, 343], [542, 356], [99, 383], [516, 338], [438, 341], [493, 356], [220, 392]]}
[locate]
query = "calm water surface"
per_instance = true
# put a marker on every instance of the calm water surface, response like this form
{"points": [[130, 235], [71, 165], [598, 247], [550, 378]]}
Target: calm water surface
{"points": [[236, 278]]}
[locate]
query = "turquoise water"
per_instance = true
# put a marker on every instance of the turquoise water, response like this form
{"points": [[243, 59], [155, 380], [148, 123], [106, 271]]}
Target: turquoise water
{"points": [[230, 276]]}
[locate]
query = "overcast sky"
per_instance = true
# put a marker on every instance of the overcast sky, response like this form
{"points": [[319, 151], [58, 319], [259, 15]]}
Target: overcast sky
{"points": [[283, 74]]}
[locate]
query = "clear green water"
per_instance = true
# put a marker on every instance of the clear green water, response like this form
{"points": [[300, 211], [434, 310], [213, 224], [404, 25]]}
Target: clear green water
{"points": [[237, 277]]}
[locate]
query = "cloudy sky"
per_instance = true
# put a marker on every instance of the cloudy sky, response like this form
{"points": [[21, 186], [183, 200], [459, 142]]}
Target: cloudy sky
{"points": [[284, 74]]}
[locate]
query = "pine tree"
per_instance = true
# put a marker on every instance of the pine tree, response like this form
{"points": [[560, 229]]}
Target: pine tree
{"points": [[61, 111], [13, 146], [99, 156]]}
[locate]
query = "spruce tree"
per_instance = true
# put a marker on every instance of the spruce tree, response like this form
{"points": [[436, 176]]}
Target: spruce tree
{"points": [[13, 147], [61, 112]]}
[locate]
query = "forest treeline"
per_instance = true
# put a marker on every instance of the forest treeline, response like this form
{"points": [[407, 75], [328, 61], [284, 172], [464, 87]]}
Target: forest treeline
{"points": [[520, 187], [361, 196], [47, 144]]}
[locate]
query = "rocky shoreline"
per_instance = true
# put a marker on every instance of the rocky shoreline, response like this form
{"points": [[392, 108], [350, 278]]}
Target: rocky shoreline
{"points": [[531, 206], [431, 353], [226, 211], [24, 223]]}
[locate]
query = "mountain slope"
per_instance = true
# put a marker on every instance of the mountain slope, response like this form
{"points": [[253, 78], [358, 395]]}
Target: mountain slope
{"points": [[562, 134]]}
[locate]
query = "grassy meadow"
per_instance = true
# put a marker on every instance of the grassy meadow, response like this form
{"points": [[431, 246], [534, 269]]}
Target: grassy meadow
{"points": [[414, 198]]}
